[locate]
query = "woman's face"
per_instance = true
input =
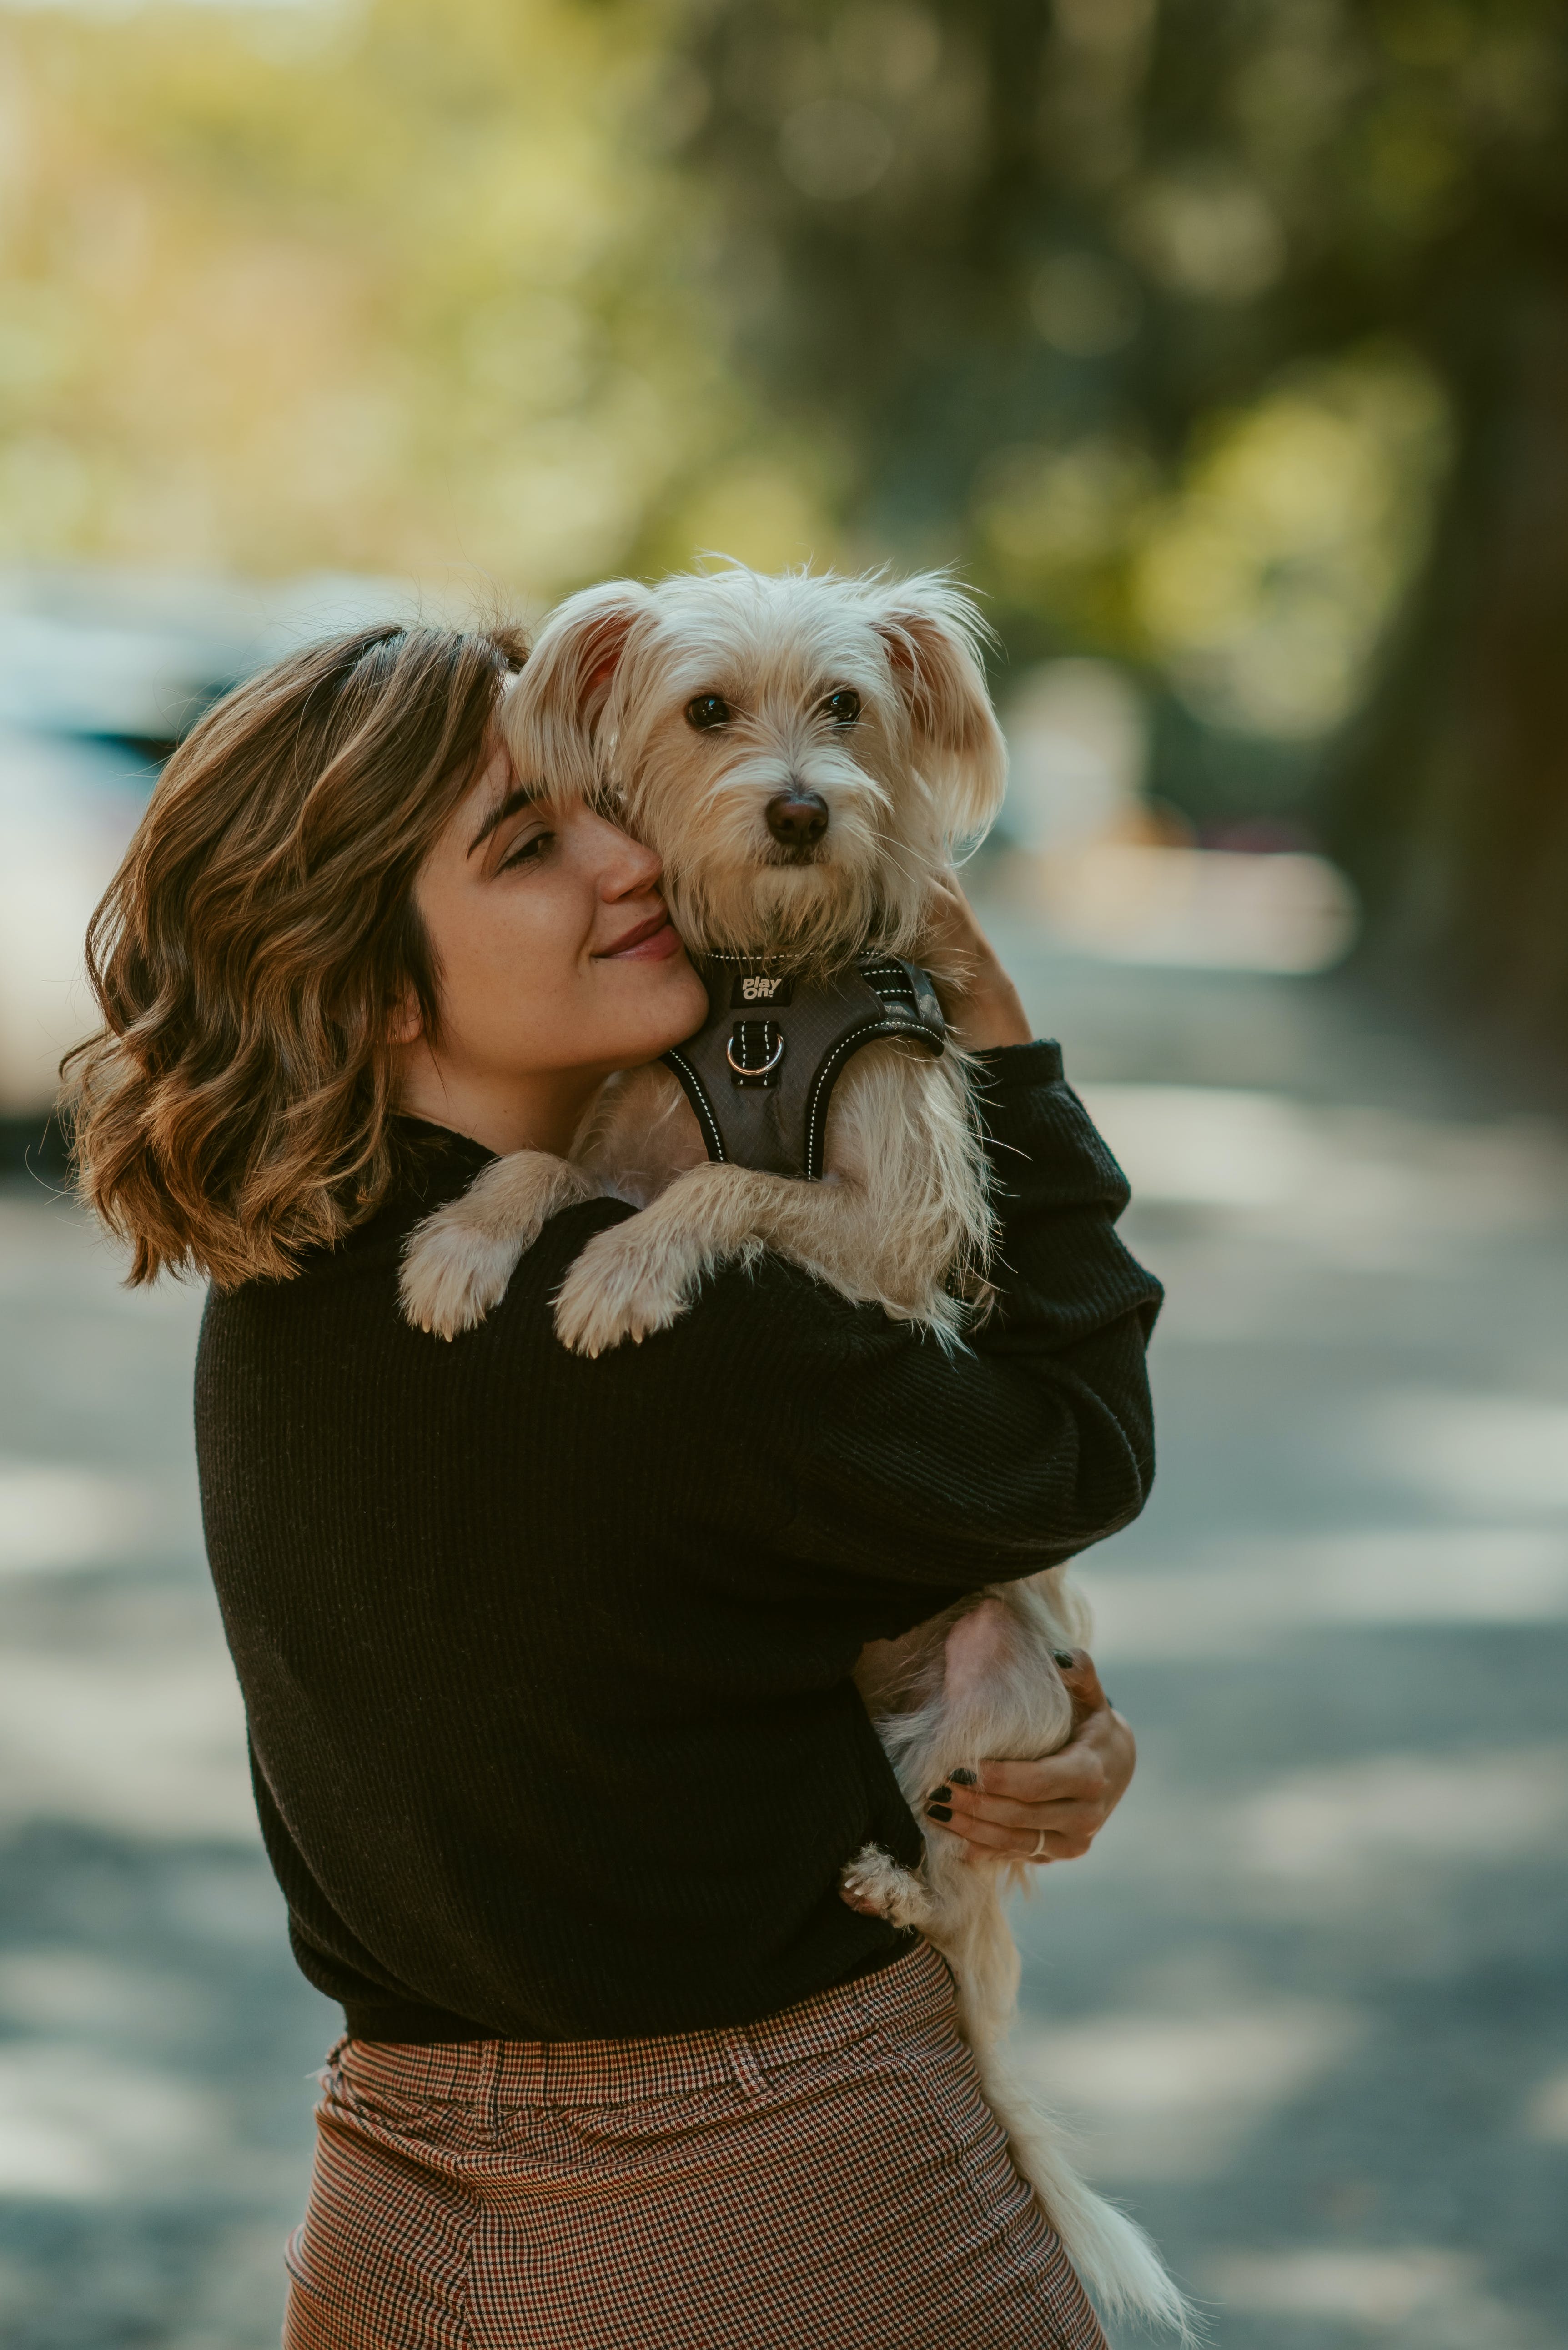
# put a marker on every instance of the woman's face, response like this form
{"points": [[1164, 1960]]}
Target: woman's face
{"points": [[555, 962]]}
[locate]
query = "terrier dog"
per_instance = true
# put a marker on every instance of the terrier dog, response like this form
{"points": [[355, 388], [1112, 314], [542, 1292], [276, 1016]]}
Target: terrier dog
{"points": [[805, 754]]}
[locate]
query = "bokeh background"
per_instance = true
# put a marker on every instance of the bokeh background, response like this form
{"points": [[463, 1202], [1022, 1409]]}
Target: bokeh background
{"points": [[1222, 346]]}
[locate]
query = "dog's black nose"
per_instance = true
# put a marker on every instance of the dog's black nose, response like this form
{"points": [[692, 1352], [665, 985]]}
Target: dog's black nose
{"points": [[798, 818]]}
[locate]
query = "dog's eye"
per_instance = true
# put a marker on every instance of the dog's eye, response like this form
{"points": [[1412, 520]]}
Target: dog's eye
{"points": [[843, 707], [708, 709]]}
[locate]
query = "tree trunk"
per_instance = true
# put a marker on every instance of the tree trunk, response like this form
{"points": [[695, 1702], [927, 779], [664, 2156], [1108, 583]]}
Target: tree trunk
{"points": [[1451, 806]]}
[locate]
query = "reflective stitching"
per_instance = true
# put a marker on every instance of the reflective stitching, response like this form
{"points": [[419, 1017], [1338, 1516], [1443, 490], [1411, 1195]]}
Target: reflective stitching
{"points": [[894, 983], [696, 1094], [866, 1033]]}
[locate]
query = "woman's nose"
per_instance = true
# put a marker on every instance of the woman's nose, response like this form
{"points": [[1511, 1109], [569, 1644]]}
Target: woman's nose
{"points": [[635, 869]]}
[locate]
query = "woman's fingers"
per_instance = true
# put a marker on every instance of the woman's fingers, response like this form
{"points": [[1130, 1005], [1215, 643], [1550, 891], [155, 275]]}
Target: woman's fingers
{"points": [[977, 996], [998, 1826], [1082, 1683], [1066, 1836], [1076, 1774], [1050, 1808]]}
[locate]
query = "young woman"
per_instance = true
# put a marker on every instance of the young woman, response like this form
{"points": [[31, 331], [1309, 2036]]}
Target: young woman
{"points": [[547, 1662]]}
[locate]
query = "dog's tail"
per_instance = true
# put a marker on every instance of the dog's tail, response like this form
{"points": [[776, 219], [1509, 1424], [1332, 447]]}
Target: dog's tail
{"points": [[1115, 2259]]}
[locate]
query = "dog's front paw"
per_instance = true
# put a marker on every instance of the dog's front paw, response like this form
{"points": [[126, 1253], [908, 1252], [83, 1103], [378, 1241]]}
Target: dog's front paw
{"points": [[454, 1272], [879, 1886], [618, 1289]]}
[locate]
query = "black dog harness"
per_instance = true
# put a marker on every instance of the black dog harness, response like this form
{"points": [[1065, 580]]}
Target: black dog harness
{"points": [[760, 1071]]}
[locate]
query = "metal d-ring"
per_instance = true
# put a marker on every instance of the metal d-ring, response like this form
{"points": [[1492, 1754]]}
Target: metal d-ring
{"points": [[757, 1069]]}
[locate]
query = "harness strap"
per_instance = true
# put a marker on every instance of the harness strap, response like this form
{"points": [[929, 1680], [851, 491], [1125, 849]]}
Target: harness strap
{"points": [[760, 1072]]}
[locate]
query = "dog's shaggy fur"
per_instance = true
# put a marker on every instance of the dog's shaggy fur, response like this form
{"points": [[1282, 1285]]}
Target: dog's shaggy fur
{"points": [[902, 1218]]}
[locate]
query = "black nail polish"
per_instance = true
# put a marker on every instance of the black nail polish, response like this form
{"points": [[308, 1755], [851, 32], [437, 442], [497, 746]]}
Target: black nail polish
{"points": [[965, 1778], [939, 1796], [937, 1812], [1063, 1657]]}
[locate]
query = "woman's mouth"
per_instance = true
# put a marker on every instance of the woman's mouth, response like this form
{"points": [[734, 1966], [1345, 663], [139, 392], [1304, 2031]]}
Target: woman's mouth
{"points": [[648, 942]]}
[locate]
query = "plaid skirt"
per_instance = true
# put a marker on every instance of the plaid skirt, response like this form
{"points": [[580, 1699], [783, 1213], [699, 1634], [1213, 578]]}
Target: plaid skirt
{"points": [[830, 2178]]}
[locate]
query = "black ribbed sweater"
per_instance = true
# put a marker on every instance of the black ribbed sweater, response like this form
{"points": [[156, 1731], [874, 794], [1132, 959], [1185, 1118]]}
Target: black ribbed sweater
{"points": [[547, 1662]]}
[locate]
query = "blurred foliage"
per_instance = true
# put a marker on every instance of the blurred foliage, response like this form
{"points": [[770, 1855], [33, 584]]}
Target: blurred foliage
{"points": [[405, 289], [1228, 337]]}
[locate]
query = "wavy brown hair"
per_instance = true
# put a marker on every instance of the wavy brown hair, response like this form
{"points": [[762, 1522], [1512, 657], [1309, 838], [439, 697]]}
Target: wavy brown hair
{"points": [[235, 1109]]}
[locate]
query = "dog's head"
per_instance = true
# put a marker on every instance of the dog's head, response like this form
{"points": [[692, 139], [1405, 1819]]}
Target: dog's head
{"points": [[804, 753]]}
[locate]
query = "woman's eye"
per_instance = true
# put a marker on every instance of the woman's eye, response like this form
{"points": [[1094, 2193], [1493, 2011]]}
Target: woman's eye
{"points": [[526, 851], [708, 709], [843, 707]]}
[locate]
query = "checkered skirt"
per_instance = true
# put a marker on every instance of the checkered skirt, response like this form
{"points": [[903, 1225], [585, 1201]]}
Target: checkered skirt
{"points": [[830, 2178]]}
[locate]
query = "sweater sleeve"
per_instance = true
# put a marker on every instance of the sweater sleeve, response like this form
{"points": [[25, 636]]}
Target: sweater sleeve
{"points": [[925, 1475]]}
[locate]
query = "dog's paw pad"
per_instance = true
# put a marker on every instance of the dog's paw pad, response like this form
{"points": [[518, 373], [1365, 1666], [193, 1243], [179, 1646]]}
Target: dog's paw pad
{"points": [[874, 1883]]}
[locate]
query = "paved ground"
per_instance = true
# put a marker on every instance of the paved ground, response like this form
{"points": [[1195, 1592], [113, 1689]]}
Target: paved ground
{"points": [[1307, 2000]]}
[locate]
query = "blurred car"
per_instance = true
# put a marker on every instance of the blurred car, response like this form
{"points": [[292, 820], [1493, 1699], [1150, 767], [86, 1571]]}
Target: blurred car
{"points": [[100, 675]]}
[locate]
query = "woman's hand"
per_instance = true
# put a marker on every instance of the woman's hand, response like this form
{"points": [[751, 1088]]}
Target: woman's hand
{"points": [[1055, 1808], [982, 1006]]}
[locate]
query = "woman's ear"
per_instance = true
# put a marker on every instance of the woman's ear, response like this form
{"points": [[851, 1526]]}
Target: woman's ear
{"points": [[550, 713], [405, 1021], [933, 633]]}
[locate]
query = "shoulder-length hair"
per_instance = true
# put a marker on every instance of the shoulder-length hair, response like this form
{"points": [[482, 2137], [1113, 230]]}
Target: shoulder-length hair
{"points": [[251, 953]]}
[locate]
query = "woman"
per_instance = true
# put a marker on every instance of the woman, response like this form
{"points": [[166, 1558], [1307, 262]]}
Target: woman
{"points": [[547, 1662]]}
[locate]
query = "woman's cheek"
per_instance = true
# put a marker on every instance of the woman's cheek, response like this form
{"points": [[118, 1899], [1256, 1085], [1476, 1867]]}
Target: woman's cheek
{"points": [[544, 934]]}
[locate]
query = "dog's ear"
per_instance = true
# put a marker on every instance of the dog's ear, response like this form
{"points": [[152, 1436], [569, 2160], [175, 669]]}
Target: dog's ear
{"points": [[933, 633], [551, 714]]}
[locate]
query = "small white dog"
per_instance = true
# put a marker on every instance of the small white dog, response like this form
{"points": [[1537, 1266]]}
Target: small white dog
{"points": [[801, 752], [805, 753]]}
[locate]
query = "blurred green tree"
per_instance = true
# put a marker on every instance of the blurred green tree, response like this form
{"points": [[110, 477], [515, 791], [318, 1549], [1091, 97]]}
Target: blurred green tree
{"points": [[403, 288], [1229, 335], [1226, 337]]}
